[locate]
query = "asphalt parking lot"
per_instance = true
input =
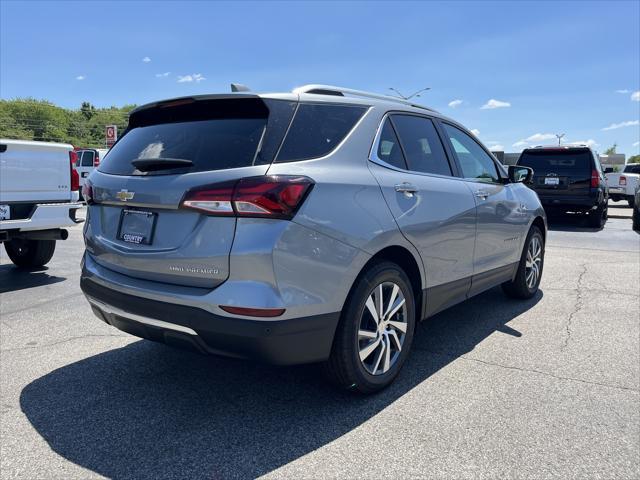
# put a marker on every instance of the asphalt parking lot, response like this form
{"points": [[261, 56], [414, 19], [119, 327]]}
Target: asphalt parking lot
{"points": [[494, 387]]}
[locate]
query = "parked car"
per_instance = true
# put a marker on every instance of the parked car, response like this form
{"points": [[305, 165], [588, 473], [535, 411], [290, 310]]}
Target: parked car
{"points": [[568, 179], [312, 226], [88, 160], [636, 209], [38, 198], [622, 186]]}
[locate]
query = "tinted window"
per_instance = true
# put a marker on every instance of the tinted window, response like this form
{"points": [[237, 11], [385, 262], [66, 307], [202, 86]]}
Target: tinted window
{"points": [[475, 163], [215, 134], [421, 145], [560, 162], [87, 158], [317, 129], [632, 168], [389, 149]]}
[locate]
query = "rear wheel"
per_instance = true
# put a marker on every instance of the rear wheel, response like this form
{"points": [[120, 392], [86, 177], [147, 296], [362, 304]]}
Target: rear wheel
{"points": [[375, 332], [597, 218], [527, 279], [30, 253]]}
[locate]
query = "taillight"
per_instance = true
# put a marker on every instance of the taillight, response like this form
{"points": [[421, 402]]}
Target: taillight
{"points": [[276, 196], [595, 179], [96, 160], [622, 181], [75, 178], [87, 192]]}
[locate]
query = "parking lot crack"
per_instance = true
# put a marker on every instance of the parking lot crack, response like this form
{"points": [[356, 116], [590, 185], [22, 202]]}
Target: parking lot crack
{"points": [[66, 340], [532, 370], [576, 308]]}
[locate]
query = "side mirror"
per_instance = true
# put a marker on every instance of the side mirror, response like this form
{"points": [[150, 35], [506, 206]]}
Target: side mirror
{"points": [[520, 174]]}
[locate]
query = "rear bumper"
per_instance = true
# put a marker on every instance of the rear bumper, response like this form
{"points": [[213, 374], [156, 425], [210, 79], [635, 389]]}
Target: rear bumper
{"points": [[45, 216], [279, 342], [569, 202]]}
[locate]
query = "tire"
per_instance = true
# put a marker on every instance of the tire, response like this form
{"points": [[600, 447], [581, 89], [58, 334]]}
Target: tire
{"points": [[636, 219], [631, 201], [519, 287], [345, 368], [30, 253], [598, 217]]}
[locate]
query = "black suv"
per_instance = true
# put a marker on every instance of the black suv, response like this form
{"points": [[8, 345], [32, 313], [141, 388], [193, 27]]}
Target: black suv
{"points": [[568, 179]]}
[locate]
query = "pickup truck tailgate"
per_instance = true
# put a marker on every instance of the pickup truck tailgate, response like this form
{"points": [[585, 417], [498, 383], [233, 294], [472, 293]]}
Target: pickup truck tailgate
{"points": [[34, 171]]}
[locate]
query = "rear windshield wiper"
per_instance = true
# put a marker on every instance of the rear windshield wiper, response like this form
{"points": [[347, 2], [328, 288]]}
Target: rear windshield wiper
{"points": [[152, 164]]}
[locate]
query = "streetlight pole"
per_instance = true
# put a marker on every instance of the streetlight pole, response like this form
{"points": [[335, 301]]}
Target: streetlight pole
{"points": [[559, 135]]}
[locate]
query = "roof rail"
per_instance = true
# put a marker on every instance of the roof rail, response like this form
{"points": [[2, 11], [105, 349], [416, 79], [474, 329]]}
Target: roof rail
{"points": [[341, 91]]}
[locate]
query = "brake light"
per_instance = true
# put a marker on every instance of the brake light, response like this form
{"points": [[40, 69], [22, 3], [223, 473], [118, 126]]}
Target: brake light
{"points": [[276, 196], [87, 192], [622, 181], [595, 179], [73, 173], [96, 160]]}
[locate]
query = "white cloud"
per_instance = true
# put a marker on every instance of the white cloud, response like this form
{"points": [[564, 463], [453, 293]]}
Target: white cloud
{"points": [[497, 148], [589, 143], [624, 90], [630, 123], [539, 137], [196, 77], [165, 74], [80, 77], [146, 59], [520, 143], [635, 96], [493, 103], [455, 103], [635, 144], [475, 131]]}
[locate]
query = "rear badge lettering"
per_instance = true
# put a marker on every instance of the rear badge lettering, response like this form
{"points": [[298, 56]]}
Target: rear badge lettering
{"points": [[128, 237], [196, 270]]}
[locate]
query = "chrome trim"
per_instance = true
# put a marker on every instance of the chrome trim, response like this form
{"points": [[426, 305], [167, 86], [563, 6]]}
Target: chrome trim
{"points": [[139, 318]]}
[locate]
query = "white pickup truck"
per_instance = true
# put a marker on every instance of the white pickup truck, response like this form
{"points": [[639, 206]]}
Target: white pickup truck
{"points": [[38, 198], [622, 186]]}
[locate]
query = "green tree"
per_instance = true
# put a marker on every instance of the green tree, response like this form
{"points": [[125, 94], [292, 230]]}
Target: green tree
{"points": [[611, 150], [634, 159]]}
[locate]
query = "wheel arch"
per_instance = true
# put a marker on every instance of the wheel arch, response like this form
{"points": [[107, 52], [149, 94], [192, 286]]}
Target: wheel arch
{"points": [[540, 223]]}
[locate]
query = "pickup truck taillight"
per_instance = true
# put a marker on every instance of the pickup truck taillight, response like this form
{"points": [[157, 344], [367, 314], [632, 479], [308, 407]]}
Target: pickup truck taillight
{"points": [[622, 181], [267, 196], [75, 178], [595, 179], [96, 160]]}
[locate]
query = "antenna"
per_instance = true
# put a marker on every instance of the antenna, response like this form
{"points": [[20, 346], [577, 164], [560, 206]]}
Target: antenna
{"points": [[416, 94], [559, 136]]}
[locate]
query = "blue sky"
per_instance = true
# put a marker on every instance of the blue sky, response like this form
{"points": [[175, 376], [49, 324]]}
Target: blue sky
{"points": [[559, 66]]}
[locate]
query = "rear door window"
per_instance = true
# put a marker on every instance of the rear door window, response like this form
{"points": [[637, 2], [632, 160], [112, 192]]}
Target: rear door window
{"points": [[560, 162], [422, 146], [87, 158], [317, 129]]}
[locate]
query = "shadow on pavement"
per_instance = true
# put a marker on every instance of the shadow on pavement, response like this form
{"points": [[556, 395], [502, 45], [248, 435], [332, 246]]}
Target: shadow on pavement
{"points": [[146, 410], [13, 279]]}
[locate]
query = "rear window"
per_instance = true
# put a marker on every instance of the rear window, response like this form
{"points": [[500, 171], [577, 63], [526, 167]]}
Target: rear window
{"points": [[632, 168], [214, 135], [560, 162], [317, 129]]}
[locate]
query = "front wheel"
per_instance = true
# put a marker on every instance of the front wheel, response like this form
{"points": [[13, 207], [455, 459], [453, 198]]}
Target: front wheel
{"points": [[597, 218], [375, 332], [30, 253], [527, 279]]}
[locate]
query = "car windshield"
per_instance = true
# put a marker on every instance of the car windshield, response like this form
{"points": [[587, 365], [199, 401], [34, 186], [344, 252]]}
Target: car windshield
{"points": [[560, 162]]}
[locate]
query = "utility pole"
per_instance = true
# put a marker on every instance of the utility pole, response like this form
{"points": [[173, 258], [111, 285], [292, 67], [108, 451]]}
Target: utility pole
{"points": [[559, 135], [416, 94]]}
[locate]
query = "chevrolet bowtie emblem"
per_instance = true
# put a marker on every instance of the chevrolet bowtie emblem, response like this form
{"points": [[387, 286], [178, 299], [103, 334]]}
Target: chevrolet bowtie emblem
{"points": [[124, 195]]}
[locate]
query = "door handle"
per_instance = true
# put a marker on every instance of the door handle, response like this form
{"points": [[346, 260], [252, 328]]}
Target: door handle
{"points": [[406, 188], [482, 194]]}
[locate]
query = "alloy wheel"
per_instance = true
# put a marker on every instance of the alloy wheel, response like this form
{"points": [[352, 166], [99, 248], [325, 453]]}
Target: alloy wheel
{"points": [[382, 328], [534, 262]]}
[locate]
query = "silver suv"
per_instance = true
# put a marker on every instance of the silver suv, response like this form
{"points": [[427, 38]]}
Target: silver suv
{"points": [[314, 226]]}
